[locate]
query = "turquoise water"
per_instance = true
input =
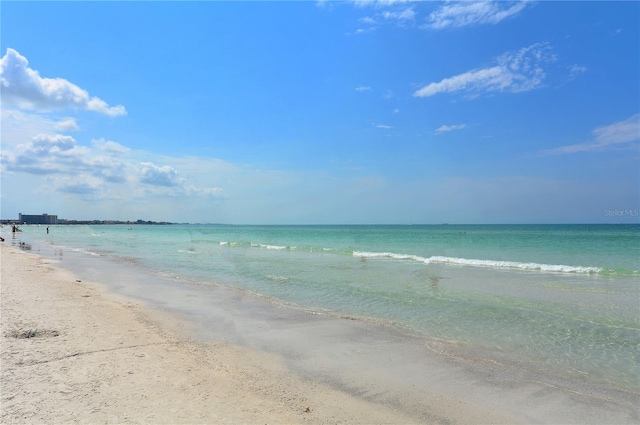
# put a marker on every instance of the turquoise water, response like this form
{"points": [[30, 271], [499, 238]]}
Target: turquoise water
{"points": [[564, 298]]}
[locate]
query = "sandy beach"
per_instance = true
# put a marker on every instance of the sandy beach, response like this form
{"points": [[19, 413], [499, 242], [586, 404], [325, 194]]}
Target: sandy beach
{"points": [[76, 351], [73, 353]]}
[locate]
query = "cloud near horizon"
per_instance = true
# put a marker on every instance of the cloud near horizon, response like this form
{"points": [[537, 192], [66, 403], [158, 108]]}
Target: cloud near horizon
{"points": [[75, 169], [515, 72], [154, 175], [26, 89], [609, 136]]}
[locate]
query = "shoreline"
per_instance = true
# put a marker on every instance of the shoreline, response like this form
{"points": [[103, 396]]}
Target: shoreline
{"points": [[94, 357], [119, 357]]}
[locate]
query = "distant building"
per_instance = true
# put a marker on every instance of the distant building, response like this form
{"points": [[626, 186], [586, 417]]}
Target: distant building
{"points": [[37, 219]]}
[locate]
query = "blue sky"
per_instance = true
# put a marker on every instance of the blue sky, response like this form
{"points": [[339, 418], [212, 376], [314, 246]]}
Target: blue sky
{"points": [[322, 112]]}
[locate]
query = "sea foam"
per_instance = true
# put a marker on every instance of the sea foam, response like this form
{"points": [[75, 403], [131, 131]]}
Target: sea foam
{"points": [[555, 268]]}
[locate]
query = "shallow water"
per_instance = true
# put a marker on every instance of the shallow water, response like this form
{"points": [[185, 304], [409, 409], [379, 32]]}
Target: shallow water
{"points": [[559, 298]]}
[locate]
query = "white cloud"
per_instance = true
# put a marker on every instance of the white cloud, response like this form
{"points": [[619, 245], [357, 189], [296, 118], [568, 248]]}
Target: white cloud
{"points": [[159, 175], [362, 88], [515, 72], [25, 88], [388, 13], [379, 3], [68, 124], [620, 132], [576, 70], [19, 126], [56, 154], [53, 143], [361, 31], [386, 127], [449, 14], [405, 15], [447, 128], [465, 13], [616, 134], [368, 20], [71, 168], [109, 146]]}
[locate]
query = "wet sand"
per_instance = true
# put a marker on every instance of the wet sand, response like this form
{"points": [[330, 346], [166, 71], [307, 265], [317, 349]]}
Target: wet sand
{"points": [[82, 351]]}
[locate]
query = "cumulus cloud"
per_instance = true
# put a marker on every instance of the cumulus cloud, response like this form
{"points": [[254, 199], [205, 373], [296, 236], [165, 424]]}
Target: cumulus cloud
{"points": [[45, 154], [614, 135], [515, 72], [447, 128], [75, 169], [155, 175], [465, 13], [25, 88], [52, 144], [56, 154]]}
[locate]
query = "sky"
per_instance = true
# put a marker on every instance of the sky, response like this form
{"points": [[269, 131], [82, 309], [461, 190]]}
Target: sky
{"points": [[303, 112]]}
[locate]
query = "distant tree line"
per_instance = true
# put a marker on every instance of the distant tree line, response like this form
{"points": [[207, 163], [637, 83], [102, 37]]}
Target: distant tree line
{"points": [[65, 221]]}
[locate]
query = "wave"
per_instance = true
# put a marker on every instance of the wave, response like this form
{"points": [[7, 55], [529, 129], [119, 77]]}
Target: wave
{"points": [[235, 244], [277, 247], [496, 264], [254, 245], [82, 250], [282, 247], [436, 259], [189, 251]]}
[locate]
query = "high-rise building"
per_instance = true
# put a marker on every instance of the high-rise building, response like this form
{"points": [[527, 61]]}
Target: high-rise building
{"points": [[38, 219]]}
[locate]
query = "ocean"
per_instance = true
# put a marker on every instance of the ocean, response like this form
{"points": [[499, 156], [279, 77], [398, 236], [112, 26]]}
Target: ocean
{"points": [[559, 298]]}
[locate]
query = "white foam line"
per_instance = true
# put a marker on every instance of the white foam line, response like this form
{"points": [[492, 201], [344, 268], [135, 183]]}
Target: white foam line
{"points": [[84, 251], [481, 263]]}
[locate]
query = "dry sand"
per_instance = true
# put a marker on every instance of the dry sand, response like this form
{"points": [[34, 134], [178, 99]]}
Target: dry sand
{"points": [[73, 352]]}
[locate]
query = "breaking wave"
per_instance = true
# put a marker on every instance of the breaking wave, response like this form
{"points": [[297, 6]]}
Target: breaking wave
{"points": [[436, 259], [556, 268]]}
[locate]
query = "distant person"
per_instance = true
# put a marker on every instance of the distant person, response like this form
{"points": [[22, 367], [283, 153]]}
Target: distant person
{"points": [[47, 230]]}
